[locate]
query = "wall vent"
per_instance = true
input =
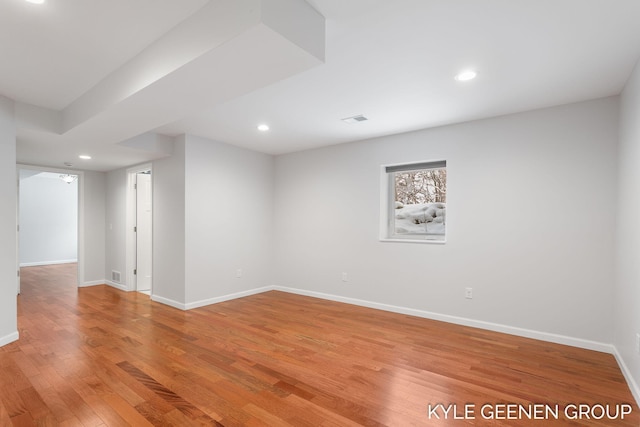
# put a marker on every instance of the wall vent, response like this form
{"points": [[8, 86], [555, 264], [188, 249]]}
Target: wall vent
{"points": [[115, 276], [355, 119]]}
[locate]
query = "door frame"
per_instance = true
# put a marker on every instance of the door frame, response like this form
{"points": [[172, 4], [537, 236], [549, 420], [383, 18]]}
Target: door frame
{"points": [[130, 251], [81, 220]]}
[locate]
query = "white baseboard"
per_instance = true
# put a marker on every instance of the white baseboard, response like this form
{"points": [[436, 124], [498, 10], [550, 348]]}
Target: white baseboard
{"points": [[37, 264], [169, 302], [91, 283], [8, 339], [633, 385], [210, 301], [511, 330], [202, 303], [116, 285]]}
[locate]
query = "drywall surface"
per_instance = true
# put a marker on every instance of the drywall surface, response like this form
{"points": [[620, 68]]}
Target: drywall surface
{"points": [[92, 226], [116, 221], [530, 221], [229, 219], [169, 226], [8, 221]]}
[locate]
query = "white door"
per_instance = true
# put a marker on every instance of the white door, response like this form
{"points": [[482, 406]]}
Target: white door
{"points": [[143, 234]]}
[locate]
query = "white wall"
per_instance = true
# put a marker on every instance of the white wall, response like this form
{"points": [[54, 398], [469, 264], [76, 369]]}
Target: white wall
{"points": [[169, 227], [91, 251], [48, 220], [531, 212], [532, 201], [627, 296], [212, 215], [116, 216], [229, 219], [8, 207]]}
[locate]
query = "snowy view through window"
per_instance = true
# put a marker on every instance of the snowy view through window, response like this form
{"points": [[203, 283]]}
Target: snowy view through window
{"points": [[420, 201]]}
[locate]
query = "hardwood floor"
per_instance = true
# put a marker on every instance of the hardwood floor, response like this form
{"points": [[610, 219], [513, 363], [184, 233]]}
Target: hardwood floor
{"points": [[97, 356]]}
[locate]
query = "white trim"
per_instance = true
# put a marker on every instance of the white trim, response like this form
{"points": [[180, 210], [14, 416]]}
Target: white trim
{"points": [[387, 225], [8, 339], [511, 330], [116, 285], [81, 219], [413, 240], [385, 202], [527, 333], [91, 283], [130, 221], [633, 385], [210, 301], [169, 302], [36, 264], [202, 303]]}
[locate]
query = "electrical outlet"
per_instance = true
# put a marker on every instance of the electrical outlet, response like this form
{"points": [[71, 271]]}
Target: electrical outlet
{"points": [[637, 343], [468, 293], [239, 273], [345, 278]]}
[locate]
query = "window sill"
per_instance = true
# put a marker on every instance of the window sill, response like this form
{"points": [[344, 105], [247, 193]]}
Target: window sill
{"points": [[414, 240]]}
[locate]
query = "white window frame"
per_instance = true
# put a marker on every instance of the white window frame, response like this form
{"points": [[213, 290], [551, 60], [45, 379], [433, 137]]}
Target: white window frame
{"points": [[387, 203]]}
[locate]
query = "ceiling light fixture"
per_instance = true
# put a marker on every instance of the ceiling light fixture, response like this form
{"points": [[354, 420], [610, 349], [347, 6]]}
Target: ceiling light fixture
{"points": [[35, 1], [84, 157], [263, 128], [466, 75], [68, 178]]}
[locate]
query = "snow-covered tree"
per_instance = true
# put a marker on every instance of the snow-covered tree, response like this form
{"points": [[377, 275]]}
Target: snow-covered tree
{"points": [[422, 186]]}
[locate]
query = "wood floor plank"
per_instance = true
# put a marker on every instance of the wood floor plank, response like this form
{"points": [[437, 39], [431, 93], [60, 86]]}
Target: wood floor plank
{"points": [[126, 411], [72, 422], [76, 404], [106, 413], [22, 420], [101, 357], [53, 401], [5, 419]]}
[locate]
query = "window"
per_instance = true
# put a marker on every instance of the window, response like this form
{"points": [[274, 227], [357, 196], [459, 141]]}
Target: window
{"points": [[414, 201]]}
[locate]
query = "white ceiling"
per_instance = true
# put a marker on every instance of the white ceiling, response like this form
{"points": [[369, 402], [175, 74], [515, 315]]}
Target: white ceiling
{"points": [[394, 62], [28, 173], [53, 53]]}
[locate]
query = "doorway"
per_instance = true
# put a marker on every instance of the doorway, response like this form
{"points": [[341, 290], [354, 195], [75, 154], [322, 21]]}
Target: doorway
{"points": [[140, 219], [48, 221]]}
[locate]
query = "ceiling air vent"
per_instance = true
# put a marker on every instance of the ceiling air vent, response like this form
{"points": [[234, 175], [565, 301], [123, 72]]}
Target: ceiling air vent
{"points": [[355, 119]]}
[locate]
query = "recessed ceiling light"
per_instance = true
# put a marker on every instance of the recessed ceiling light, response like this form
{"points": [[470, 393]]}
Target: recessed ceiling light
{"points": [[263, 128], [466, 75], [35, 1], [84, 157]]}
